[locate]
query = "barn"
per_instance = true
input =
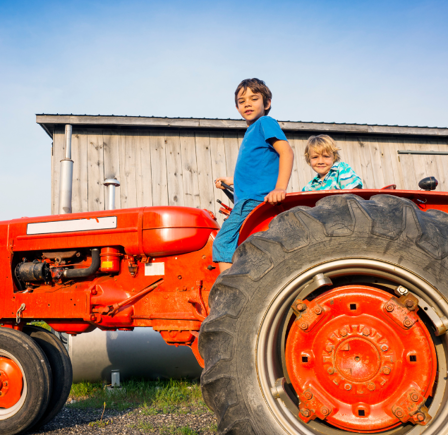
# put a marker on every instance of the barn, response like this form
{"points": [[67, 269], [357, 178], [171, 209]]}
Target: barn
{"points": [[173, 161]]}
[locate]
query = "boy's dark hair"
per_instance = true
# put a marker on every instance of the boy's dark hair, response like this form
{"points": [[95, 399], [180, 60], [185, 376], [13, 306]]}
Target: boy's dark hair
{"points": [[257, 86]]}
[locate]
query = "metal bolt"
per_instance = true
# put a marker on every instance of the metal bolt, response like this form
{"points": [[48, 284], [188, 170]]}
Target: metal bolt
{"points": [[301, 306], [371, 386], [384, 347], [386, 370], [399, 412], [304, 325], [330, 370], [317, 310], [366, 331], [94, 291], [390, 307], [409, 304], [305, 412], [407, 322], [6, 383], [329, 348], [308, 395], [420, 417], [324, 410], [348, 387], [414, 397], [343, 332], [92, 318]]}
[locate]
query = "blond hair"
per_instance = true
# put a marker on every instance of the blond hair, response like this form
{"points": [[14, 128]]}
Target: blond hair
{"points": [[322, 143]]}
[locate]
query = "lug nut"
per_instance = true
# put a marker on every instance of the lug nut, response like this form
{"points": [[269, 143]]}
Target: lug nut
{"points": [[330, 370], [414, 397], [386, 370], [366, 331], [348, 387], [399, 412], [305, 412], [92, 318], [371, 386], [407, 322], [308, 395], [317, 310], [329, 348], [301, 306], [343, 332], [304, 325], [5, 383], [324, 410], [409, 304], [384, 347], [420, 417], [390, 307]]}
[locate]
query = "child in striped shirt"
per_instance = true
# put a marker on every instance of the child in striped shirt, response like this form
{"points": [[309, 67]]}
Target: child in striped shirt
{"points": [[322, 154]]}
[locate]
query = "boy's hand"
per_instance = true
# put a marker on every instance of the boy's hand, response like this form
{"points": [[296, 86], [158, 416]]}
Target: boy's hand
{"points": [[276, 196], [227, 180]]}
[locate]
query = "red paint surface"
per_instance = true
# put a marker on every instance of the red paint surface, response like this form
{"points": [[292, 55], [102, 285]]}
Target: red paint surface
{"points": [[353, 356]]}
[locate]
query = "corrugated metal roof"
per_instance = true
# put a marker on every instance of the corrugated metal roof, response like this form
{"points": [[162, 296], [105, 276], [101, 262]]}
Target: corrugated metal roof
{"points": [[233, 119], [49, 121]]}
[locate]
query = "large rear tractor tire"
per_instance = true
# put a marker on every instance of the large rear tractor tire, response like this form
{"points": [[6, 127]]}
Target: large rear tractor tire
{"points": [[332, 322], [25, 382], [61, 368]]}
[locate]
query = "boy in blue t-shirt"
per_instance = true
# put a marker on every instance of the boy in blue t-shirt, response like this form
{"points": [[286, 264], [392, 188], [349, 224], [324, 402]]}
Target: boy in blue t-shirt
{"points": [[263, 167]]}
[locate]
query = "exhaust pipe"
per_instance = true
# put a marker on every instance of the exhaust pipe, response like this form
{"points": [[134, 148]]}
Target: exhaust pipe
{"points": [[111, 184], [66, 177]]}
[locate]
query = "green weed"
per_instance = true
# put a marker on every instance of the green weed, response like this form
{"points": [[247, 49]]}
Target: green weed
{"points": [[173, 430]]}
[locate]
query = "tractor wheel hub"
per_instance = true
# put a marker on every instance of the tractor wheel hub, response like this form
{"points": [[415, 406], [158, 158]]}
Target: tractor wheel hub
{"points": [[358, 364], [11, 383]]}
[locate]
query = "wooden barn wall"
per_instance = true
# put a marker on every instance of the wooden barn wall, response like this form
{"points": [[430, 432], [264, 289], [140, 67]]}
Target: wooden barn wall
{"points": [[177, 167]]}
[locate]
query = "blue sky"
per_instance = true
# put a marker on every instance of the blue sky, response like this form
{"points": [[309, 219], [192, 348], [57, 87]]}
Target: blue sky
{"points": [[381, 62]]}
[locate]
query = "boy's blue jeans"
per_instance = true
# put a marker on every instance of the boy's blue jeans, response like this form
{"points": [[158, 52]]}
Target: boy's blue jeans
{"points": [[226, 241]]}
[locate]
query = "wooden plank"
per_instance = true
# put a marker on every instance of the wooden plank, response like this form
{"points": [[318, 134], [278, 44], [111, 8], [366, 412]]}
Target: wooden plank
{"points": [[190, 169], [53, 193], [80, 190], [112, 161], [350, 153], [158, 168], [174, 169], [376, 162], [205, 175], [231, 150], [442, 165], [366, 163], [58, 155], [407, 166], [389, 163], [295, 184], [95, 171], [146, 166], [219, 169]]}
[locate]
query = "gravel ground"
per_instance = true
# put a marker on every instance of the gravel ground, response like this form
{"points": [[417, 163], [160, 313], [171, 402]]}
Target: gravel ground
{"points": [[87, 421]]}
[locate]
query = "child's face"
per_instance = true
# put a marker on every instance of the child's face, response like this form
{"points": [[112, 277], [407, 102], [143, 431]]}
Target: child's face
{"points": [[321, 161], [251, 105]]}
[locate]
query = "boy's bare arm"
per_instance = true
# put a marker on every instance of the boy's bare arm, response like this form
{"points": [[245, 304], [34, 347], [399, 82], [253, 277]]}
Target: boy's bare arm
{"points": [[284, 171]]}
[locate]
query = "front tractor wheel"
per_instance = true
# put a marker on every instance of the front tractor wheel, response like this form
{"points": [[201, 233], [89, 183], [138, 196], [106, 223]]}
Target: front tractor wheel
{"points": [[333, 322], [25, 382]]}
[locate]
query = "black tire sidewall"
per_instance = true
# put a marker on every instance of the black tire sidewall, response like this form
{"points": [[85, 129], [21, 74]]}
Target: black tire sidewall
{"points": [[36, 371], [61, 368]]}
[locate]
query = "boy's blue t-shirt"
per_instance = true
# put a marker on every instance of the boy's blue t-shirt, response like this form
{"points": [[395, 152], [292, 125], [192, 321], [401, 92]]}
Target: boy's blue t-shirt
{"points": [[256, 170]]}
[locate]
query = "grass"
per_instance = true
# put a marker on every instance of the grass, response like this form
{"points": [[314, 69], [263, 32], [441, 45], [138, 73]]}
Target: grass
{"points": [[152, 397]]}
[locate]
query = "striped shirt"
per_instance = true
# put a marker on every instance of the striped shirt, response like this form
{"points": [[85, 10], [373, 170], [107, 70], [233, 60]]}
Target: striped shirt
{"points": [[340, 176]]}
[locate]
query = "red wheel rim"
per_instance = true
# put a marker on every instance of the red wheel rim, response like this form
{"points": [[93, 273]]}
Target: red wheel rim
{"points": [[360, 360], [11, 383]]}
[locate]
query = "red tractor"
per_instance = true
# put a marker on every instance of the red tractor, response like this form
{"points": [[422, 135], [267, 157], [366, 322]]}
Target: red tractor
{"points": [[332, 319]]}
